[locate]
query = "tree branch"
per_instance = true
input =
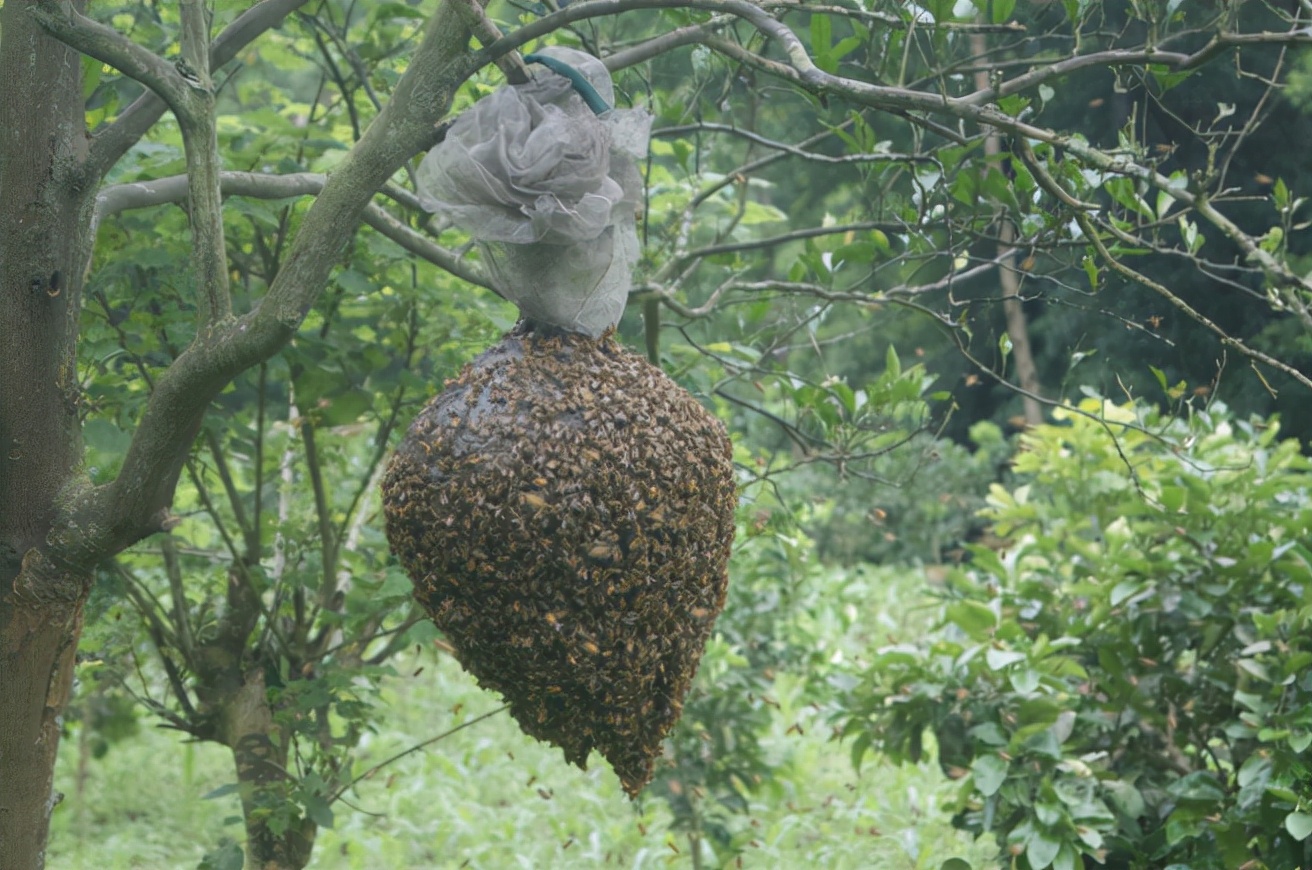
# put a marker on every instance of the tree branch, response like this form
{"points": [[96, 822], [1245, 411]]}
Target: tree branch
{"points": [[656, 46], [795, 235], [1192, 313], [111, 143], [511, 64], [134, 503], [107, 45], [143, 194], [199, 125], [812, 156]]}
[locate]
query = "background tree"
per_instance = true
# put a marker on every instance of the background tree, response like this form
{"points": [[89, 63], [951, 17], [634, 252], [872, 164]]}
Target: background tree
{"points": [[824, 178]]}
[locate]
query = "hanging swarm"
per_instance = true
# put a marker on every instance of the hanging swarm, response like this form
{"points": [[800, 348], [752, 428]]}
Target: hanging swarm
{"points": [[566, 512]]}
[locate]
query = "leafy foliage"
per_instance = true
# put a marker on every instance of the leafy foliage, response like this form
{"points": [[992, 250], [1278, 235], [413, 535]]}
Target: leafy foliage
{"points": [[1129, 678]]}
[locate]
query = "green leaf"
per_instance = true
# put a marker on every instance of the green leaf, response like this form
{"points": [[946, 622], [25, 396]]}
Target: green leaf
{"points": [[1067, 858], [1024, 680], [1299, 825], [397, 584], [975, 619], [219, 792], [345, 407], [228, 855], [990, 772], [989, 733], [318, 811], [1000, 658], [956, 864], [860, 746], [1201, 785], [1166, 77], [1280, 193], [1125, 797], [1075, 9], [1090, 265], [91, 69], [1042, 850], [1126, 589]]}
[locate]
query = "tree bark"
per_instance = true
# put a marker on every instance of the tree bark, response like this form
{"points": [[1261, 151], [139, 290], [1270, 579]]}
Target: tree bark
{"points": [[44, 213], [38, 643]]}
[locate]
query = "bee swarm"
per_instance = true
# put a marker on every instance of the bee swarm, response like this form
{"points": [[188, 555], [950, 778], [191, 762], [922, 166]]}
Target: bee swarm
{"points": [[566, 513]]}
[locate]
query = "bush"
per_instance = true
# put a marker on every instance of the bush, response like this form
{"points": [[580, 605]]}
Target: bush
{"points": [[1128, 679]]}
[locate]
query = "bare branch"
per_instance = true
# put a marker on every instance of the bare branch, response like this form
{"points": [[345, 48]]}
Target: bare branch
{"points": [[896, 22], [421, 246], [1044, 72], [418, 746], [812, 156], [795, 235], [510, 64], [693, 34]]}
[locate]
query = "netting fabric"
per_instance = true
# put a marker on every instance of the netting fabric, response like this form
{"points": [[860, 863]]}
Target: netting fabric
{"points": [[550, 191]]}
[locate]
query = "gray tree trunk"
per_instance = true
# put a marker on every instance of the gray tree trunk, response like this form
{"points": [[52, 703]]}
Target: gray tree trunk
{"points": [[44, 204]]}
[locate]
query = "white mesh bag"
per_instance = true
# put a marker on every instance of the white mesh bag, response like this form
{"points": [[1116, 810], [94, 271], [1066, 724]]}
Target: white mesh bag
{"points": [[550, 191]]}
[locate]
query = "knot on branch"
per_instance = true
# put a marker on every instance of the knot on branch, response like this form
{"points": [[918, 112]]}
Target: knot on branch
{"points": [[42, 583]]}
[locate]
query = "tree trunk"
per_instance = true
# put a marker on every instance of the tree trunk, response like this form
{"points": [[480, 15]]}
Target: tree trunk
{"points": [[44, 213], [38, 642], [1013, 307], [232, 690], [248, 730], [1018, 327]]}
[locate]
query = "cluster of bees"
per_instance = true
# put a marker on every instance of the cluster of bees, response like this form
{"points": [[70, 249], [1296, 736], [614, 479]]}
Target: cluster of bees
{"points": [[566, 512]]}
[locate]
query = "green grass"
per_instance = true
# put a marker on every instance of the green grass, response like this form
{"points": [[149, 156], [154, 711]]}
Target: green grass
{"points": [[490, 797]]}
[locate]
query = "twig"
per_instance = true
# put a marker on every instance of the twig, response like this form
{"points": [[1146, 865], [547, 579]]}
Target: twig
{"points": [[1192, 313], [418, 746]]}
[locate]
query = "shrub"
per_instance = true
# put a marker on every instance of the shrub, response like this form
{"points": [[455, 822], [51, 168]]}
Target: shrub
{"points": [[1128, 679]]}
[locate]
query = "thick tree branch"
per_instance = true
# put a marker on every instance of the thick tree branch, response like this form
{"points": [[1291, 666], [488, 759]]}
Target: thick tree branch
{"points": [[199, 125], [107, 45], [511, 64], [134, 504]]}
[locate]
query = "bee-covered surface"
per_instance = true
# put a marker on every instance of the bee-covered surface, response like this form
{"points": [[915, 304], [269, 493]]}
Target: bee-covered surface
{"points": [[566, 512]]}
